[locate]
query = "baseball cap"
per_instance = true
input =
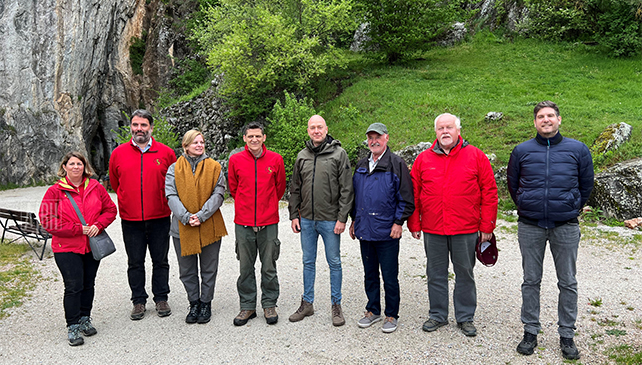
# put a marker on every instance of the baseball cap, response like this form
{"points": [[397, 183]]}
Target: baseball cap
{"points": [[377, 127], [487, 251]]}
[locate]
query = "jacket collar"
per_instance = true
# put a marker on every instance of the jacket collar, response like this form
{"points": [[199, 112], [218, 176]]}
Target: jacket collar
{"points": [[64, 184], [263, 149], [549, 141], [461, 143]]}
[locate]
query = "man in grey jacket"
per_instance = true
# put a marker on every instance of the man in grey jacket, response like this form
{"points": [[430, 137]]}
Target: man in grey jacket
{"points": [[321, 197]]}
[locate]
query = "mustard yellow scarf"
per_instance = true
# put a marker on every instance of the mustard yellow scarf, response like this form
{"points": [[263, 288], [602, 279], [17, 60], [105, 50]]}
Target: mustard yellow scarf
{"points": [[194, 189]]}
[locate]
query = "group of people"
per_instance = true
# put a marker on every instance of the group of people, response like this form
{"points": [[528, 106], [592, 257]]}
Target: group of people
{"points": [[450, 195]]}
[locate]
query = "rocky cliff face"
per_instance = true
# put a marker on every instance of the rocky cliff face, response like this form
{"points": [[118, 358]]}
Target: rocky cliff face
{"points": [[66, 78]]}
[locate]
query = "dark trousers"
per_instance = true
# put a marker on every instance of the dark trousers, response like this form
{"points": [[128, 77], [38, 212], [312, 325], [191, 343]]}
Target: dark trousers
{"points": [[382, 255], [139, 236], [79, 275]]}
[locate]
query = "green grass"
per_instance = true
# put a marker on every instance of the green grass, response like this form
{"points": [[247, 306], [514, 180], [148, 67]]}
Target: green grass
{"points": [[486, 75], [17, 276], [625, 355]]}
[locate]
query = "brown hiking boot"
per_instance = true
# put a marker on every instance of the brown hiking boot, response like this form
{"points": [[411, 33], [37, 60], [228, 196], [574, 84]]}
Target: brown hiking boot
{"points": [[138, 312], [244, 316], [337, 315], [306, 309], [163, 309], [270, 315]]}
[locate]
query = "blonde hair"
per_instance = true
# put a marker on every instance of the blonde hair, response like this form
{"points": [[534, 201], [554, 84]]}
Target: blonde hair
{"points": [[189, 137], [88, 170]]}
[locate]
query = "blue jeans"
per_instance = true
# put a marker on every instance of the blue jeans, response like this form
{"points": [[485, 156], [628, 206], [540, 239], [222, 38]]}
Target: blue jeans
{"points": [[310, 231], [461, 249], [384, 255], [139, 236], [564, 241]]}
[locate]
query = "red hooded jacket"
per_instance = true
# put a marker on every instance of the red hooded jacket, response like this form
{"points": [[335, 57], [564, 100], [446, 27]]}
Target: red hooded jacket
{"points": [[58, 216], [139, 180], [257, 185], [454, 193]]}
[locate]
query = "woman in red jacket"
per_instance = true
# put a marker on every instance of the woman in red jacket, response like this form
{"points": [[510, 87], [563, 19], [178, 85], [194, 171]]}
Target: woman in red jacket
{"points": [[70, 242]]}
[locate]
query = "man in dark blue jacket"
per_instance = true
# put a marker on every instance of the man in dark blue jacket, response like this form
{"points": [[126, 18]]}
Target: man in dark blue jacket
{"points": [[550, 178], [383, 201]]}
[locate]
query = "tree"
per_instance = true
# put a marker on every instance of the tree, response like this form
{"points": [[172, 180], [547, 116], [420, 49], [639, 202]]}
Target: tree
{"points": [[264, 47], [399, 29]]}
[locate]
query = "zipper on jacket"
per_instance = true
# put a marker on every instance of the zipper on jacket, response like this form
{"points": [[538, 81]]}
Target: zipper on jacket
{"points": [[314, 170], [256, 176], [548, 147], [142, 206]]}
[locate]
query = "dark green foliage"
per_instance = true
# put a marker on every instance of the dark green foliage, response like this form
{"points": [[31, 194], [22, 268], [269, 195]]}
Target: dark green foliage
{"points": [[401, 29], [614, 24], [136, 54], [287, 128]]}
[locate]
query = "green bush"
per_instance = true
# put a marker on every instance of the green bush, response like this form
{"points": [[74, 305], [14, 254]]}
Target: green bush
{"points": [[287, 128], [401, 29], [614, 24], [264, 47], [136, 54], [163, 132]]}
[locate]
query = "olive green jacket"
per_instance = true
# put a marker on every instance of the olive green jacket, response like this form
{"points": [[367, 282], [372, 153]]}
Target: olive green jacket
{"points": [[321, 183]]}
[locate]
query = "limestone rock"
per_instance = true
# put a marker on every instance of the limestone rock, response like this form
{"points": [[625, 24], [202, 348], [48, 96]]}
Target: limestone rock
{"points": [[410, 153], [494, 116], [618, 191], [455, 34], [611, 138], [360, 38]]}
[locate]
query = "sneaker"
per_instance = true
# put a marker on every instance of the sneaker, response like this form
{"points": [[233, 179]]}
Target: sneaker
{"points": [[270, 315], [389, 325], [337, 315], [204, 313], [86, 327], [194, 308], [244, 316], [432, 325], [73, 334], [368, 319], [138, 312], [163, 309], [569, 351], [528, 344], [305, 309], [468, 328]]}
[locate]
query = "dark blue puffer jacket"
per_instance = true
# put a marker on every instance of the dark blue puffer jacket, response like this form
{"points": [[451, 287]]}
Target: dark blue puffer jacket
{"points": [[550, 179], [381, 198]]}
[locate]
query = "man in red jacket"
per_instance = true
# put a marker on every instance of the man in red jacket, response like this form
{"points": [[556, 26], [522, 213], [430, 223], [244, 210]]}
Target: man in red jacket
{"points": [[256, 179], [137, 173], [455, 200]]}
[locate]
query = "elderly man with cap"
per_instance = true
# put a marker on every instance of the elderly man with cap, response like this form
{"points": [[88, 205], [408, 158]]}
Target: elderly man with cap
{"points": [[383, 201]]}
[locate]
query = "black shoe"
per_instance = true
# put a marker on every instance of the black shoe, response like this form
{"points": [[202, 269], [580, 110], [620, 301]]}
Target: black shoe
{"points": [[204, 313], [194, 308], [528, 344], [73, 335], [569, 351], [86, 327]]}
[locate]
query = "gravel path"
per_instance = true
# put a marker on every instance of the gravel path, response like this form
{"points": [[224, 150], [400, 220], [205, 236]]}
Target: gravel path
{"points": [[35, 332]]}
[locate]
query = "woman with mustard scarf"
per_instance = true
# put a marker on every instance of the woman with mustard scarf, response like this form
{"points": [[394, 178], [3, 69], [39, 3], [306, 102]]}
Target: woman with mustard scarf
{"points": [[194, 186]]}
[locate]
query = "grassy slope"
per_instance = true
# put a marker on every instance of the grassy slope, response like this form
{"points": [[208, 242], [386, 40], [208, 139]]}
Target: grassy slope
{"points": [[487, 75]]}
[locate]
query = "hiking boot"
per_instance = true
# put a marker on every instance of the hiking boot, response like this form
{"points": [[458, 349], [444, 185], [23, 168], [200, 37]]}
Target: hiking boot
{"points": [[270, 315], [163, 309], [86, 327], [244, 316], [204, 313], [194, 308], [306, 309], [337, 316], [73, 334], [389, 325], [368, 319], [138, 312], [528, 344], [569, 351], [432, 325], [468, 328]]}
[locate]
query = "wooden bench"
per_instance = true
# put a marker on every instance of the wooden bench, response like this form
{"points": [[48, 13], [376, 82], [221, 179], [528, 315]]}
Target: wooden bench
{"points": [[26, 226]]}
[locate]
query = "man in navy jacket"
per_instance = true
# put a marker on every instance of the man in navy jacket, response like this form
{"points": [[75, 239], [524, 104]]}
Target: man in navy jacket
{"points": [[550, 178], [383, 201]]}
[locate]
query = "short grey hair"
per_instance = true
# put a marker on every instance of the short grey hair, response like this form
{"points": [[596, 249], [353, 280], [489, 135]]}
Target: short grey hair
{"points": [[457, 120]]}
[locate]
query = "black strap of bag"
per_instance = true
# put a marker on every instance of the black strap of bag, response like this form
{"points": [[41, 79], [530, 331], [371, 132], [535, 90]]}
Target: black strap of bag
{"points": [[73, 202]]}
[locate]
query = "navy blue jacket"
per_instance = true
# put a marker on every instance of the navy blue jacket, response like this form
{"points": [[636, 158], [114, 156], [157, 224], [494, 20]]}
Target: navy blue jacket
{"points": [[550, 179], [382, 197]]}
